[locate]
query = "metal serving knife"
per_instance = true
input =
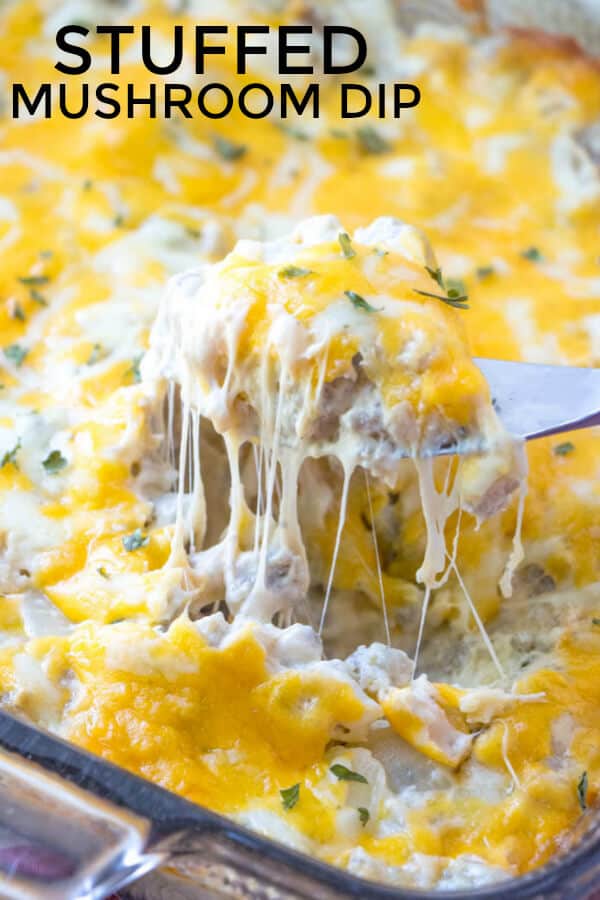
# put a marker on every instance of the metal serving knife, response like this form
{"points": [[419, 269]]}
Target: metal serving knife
{"points": [[535, 400]]}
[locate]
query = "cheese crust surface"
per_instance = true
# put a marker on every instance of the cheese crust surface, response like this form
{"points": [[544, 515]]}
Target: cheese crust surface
{"points": [[231, 559]]}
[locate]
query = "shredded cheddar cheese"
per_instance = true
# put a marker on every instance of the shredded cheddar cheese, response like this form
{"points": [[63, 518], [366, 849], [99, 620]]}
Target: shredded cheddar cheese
{"points": [[230, 559]]}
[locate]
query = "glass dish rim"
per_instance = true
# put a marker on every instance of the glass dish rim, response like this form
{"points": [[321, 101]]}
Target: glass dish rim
{"points": [[572, 868]]}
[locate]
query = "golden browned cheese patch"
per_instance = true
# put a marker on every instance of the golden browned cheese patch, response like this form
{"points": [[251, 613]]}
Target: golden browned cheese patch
{"points": [[495, 166]]}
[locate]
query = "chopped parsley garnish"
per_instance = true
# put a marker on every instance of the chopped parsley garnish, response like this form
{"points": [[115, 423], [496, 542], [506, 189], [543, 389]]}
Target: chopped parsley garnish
{"points": [[54, 462], [290, 796], [455, 287], [102, 572], [595, 621], [134, 370], [16, 354], [342, 773], [294, 272], [10, 457], [87, 184], [371, 141], [229, 150], [37, 297], [457, 302], [437, 276], [455, 292], [484, 272], [119, 220], [582, 789], [360, 302], [533, 254], [34, 280], [346, 245], [95, 356], [296, 133], [564, 449], [18, 313], [135, 541], [364, 815]]}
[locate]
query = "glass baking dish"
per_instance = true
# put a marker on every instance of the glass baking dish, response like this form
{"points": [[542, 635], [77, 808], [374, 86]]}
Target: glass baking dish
{"points": [[75, 826]]}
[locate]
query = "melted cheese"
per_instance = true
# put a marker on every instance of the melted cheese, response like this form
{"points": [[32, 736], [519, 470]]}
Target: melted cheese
{"points": [[122, 530]]}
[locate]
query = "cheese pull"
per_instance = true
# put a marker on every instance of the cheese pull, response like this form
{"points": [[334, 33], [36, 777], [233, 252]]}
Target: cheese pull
{"points": [[322, 344]]}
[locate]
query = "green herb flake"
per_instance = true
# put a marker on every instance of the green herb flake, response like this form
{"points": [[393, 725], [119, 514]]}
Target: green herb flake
{"points": [[458, 302], [18, 313], [135, 541], [294, 272], [290, 796], [360, 302], [342, 773], [346, 245], [102, 572], [33, 280], [371, 141], [295, 133], [95, 356], [37, 297], [484, 272], [595, 621], [364, 815], [563, 449], [455, 289], [54, 462], [229, 150], [134, 370], [16, 354], [119, 220], [437, 276], [582, 789], [87, 184], [533, 254], [10, 457]]}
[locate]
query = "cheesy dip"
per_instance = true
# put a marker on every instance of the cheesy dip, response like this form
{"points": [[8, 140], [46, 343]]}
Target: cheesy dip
{"points": [[239, 554]]}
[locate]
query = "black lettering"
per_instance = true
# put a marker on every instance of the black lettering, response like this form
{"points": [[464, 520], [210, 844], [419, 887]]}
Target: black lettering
{"points": [[171, 67], [249, 113], [133, 101], [63, 44], [19, 92], [201, 49], [115, 32], [311, 93], [181, 104], [399, 104], [243, 50], [329, 67], [284, 49], [215, 86], [62, 102], [346, 113], [109, 101]]}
